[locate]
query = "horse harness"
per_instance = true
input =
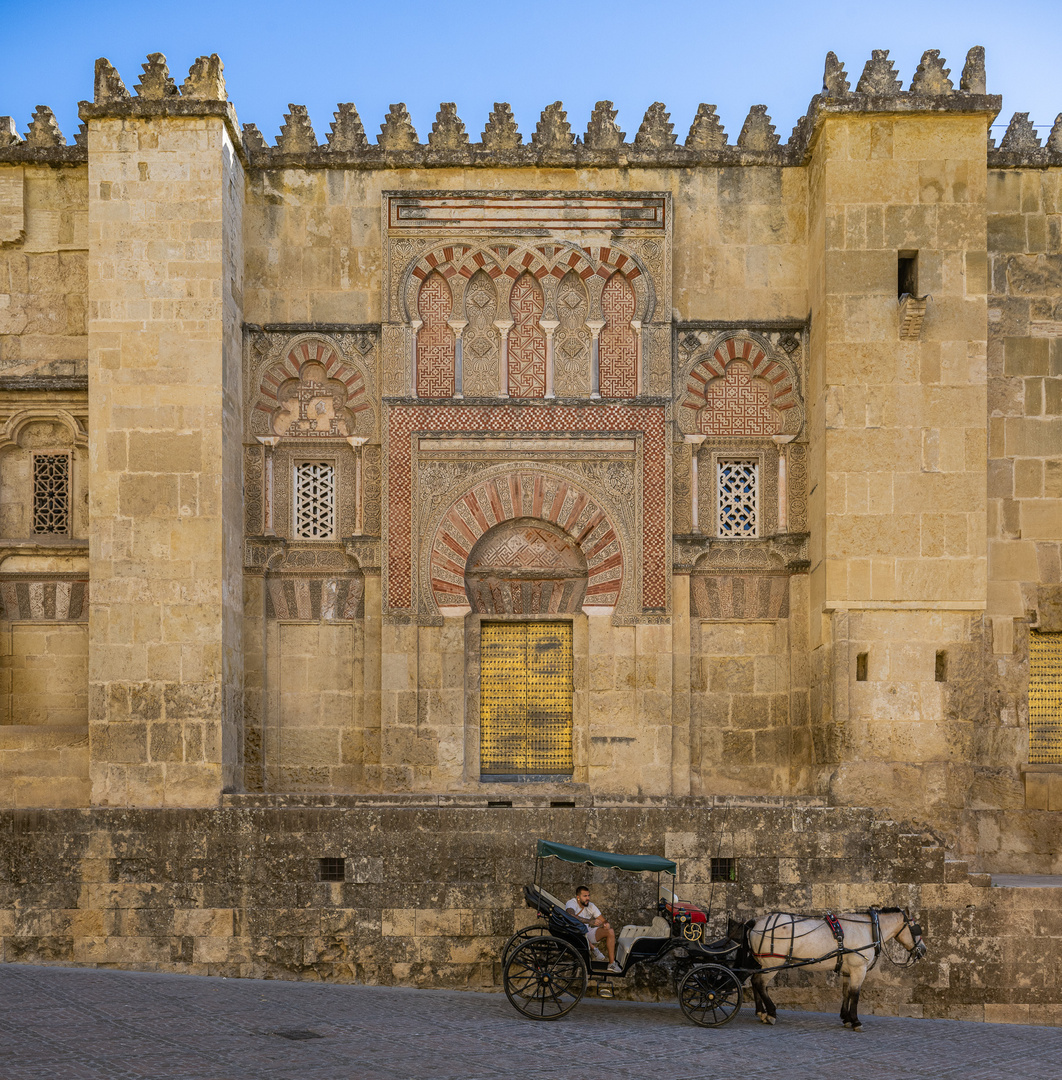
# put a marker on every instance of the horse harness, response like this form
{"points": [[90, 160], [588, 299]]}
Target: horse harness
{"points": [[834, 924]]}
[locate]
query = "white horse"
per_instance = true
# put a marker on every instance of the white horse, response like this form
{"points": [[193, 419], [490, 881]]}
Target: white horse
{"points": [[781, 941]]}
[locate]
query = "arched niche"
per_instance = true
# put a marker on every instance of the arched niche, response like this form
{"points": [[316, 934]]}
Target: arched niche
{"points": [[523, 494], [313, 391], [525, 567]]}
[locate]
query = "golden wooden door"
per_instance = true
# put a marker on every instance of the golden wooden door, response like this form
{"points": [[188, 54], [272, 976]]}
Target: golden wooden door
{"points": [[1045, 698], [525, 694]]}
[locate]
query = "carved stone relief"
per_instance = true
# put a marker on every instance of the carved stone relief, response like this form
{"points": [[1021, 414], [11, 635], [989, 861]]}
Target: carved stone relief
{"points": [[571, 340], [311, 385], [526, 567], [499, 237], [481, 342], [527, 342], [739, 596], [739, 383]]}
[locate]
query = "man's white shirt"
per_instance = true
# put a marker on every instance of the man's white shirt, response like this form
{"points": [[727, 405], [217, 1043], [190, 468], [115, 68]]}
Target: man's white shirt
{"points": [[583, 914]]}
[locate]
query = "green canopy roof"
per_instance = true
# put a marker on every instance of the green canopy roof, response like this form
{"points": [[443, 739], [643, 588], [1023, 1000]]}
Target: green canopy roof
{"points": [[605, 859]]}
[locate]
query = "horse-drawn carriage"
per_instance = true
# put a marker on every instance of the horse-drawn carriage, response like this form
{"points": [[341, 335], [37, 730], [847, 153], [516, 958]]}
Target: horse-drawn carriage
{"points": [[546, 966]]}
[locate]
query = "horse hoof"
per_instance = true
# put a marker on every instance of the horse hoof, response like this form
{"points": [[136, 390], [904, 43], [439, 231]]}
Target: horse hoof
{"points": [[772, 1020], [857, 1027], [847, 1023]]}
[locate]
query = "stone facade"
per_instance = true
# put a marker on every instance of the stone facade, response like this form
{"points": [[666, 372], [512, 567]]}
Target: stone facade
{"points": [[773, 428]]}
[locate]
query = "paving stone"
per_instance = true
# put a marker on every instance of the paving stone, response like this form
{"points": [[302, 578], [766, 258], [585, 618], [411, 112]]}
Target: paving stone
{"points": [[90, 1024]]}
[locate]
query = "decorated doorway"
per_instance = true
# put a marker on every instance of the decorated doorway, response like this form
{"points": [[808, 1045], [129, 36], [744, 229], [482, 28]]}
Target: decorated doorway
{"points": [[526, 699]]}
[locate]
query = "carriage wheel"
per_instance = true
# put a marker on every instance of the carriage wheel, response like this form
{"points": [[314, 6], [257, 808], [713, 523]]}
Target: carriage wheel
{"points": [[544, 978], [710, 995], [534, 930]]}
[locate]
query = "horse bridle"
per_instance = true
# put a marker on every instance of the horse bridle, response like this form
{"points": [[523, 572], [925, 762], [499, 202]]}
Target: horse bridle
{"points": [[918, 949]]}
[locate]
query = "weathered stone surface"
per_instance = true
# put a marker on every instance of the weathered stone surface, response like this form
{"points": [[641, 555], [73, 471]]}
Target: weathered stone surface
{"points": [[448, 131], [603, 133], [834, 78], [109, 85], [553, 132], [396, 132], [501, 133], [973, 72], [931, 78], [657, 132], [757, 133], [44, 131], [879, 75], [296, 133], [347, 133], [251, 312], [1020, 135], [156, 83], [706, 132], [206, 79]]}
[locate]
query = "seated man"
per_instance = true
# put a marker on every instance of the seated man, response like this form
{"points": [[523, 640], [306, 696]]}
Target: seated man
{"points": [[596, 928]]}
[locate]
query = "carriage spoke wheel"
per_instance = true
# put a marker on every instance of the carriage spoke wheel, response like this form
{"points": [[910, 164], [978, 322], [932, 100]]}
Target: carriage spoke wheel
{"points": [[544, 978], [710, 995], [534, 930]]}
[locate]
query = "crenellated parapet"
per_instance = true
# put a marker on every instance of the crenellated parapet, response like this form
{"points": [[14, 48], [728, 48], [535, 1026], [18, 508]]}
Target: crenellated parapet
{"points": [[1020, 146], [555, 141], [157, 94]]}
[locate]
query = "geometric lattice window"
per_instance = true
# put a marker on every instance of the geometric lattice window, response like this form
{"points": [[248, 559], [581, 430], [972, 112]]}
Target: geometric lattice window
{"points": [[1045, 699], [525, 699], [738, 485], [315, 500], [51, 493]]}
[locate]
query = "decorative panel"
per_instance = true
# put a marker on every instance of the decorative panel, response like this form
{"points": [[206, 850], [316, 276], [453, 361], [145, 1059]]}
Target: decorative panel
{"points": [[738, 511], [315, 500], [481, 343], [617, 350], [738, 404], [60, 600], [649, 486], [571, 340], [435, 339], [527, 342], [51, 494], [526, 698], [1045, 698]]}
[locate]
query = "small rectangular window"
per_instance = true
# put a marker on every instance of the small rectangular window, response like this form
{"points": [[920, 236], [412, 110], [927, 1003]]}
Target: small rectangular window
{"points": [[906, 273], [738, 481], [315, 500], [332, 869], [51, 494], [861, 667], [724, 869], [941, 666], [1045, 698]]}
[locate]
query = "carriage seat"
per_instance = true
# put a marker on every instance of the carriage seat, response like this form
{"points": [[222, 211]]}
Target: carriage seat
{"points": [[630, 934], [542, 899]]}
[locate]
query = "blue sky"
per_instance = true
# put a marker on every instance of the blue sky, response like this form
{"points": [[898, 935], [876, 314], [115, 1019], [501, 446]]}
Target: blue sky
{"points": [[316, 54]]}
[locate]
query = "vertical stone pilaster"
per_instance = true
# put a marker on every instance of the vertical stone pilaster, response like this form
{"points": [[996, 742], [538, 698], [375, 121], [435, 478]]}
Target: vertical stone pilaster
{"points": [[165, 312], [681, 699]]}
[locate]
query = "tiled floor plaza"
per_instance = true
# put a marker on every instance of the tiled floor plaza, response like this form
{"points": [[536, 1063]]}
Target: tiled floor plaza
{"points": [[79, 1024]]}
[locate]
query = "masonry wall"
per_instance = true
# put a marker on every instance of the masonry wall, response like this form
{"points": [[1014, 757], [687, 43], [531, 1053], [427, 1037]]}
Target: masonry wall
{"points": [[43, 270], [899, 565], [314, 245], [164, 354], [433, 891]]}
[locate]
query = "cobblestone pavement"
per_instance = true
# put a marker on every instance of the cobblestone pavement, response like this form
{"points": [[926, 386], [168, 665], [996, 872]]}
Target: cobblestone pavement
{"points": [[84, 1024]]}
